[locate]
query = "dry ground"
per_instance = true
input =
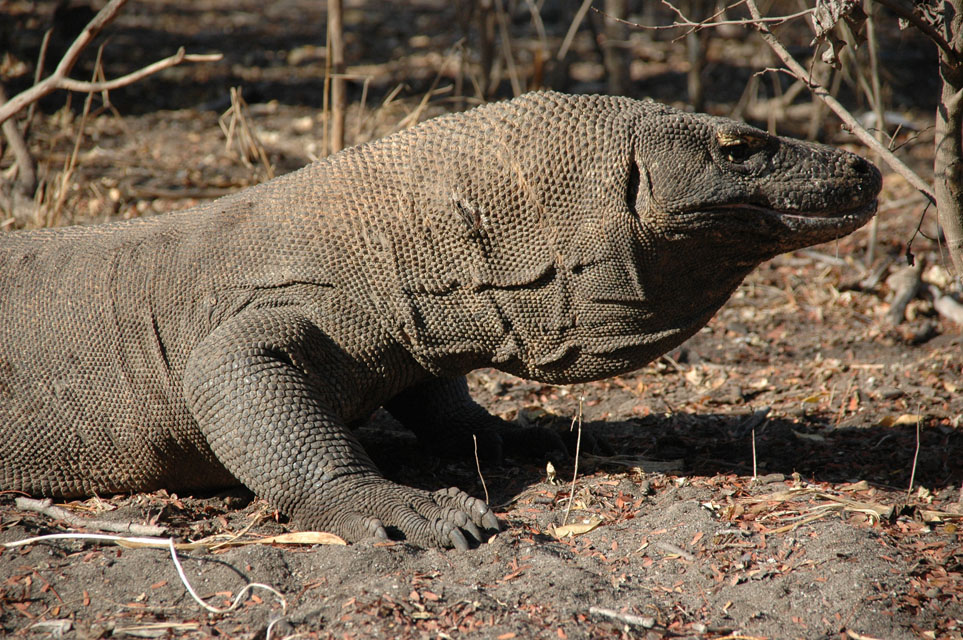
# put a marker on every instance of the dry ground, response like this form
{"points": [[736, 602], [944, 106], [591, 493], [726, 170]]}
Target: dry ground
{"points": [[792, 471]]}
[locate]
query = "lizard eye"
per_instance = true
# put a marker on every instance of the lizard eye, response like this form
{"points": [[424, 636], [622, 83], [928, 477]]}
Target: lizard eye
{"points": [[737, 151]]}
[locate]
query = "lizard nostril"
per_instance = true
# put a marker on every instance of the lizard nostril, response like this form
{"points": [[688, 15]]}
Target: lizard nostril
{"points": [[860, 166]]}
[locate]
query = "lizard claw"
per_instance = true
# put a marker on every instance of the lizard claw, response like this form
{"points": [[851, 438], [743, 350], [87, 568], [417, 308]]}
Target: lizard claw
{"points": [[378, 530], [472, 531], [489, 521], [458, 540], [479, 513]]}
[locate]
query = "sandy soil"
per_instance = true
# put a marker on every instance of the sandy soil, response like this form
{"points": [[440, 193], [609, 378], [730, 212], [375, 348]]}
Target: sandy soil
{"points": [[793, 471]]}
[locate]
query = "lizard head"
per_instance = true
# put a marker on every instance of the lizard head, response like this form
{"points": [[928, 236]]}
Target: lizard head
{"points": [[661, 215], [730, 182]]}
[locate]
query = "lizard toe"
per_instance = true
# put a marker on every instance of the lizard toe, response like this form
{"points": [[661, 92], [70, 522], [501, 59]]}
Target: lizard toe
{"points": [[477, 510], [380, 509], [355, 525], [462, 522], [429, 519]]}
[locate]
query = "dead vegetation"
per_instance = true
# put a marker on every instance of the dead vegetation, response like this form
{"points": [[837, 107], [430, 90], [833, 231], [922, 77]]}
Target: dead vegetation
{"points": [[792, 471]]}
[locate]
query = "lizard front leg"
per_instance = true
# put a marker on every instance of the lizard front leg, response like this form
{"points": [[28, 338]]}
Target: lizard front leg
{"points": [[256, 389]]}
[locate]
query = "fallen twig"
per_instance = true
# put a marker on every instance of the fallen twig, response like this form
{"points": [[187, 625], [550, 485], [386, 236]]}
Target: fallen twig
{"points": [[795, 525], [211, 543], [875, 511], [674, 549], [46, 508], [645, 622], [149, 630]]}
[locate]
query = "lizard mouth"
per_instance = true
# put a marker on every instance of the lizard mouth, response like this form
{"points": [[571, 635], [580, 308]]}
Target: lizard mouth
{"points": [[844, 220], [839, 220]]}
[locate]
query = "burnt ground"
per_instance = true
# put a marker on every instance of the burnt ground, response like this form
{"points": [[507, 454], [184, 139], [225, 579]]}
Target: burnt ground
{"points": [[793, 471]]}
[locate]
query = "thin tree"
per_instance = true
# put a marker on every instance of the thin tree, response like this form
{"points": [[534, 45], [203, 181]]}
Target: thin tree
{"points": [[339, 99]]}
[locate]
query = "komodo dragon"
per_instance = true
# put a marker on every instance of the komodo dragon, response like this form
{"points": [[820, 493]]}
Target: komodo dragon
{"points": [[557, 238]]}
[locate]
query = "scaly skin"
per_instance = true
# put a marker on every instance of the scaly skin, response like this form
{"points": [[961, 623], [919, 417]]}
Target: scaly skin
{"points": [[558, 238]]}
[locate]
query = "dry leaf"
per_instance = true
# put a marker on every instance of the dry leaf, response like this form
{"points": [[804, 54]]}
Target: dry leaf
{"points": [[576, 528], [903, 420], [297, 537], [835, 18]]}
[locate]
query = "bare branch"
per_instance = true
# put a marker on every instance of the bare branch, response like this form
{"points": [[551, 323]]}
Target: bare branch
{"points": [[573, 29], [685, 21], [59, 78], [104, 17], [820, 92], [84, 86], [37, 75], [905, 11]]}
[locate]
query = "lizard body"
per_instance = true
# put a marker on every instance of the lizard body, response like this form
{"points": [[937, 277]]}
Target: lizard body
{"points": [[558, 238]]}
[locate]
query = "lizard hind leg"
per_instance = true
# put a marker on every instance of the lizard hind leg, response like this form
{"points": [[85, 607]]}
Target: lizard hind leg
{"points": [[444, 416]]}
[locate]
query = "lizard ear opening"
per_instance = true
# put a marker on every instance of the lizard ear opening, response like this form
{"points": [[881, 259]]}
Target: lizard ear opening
{"points": [[637, 189]]}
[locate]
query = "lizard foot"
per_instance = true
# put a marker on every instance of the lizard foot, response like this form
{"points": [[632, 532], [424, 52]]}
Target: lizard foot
{"points": [[440, 518]]}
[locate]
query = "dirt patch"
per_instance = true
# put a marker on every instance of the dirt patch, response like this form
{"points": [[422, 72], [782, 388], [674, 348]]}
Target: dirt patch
{"points": [[799, 381]]}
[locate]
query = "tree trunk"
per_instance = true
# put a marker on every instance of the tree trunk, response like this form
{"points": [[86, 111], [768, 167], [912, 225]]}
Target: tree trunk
{"points": [[948, 163]]}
